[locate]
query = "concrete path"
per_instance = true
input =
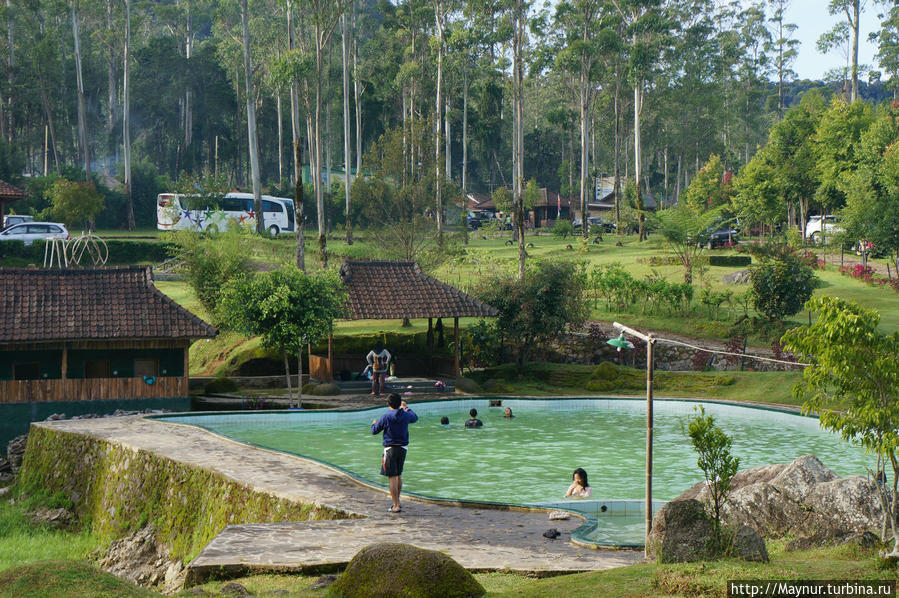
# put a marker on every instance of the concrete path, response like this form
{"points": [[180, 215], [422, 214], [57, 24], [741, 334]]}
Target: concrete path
{"points": [[479, 538]]}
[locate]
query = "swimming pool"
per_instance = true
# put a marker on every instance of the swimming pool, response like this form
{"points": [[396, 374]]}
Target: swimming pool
{"points": [[529, 459]]}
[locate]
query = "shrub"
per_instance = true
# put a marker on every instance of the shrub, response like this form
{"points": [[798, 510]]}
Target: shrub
{"points": [[605, 371], [781, 285], [563, 229], [211, 262], [221, 385]]}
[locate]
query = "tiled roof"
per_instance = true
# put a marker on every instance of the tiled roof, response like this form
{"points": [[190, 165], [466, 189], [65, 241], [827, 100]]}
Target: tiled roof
{"points": [[94, 303], [381, 290], [7, 191]]}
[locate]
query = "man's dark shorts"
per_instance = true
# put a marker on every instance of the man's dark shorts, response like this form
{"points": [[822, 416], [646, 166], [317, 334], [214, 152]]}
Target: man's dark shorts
{"points": [[392, 461]]}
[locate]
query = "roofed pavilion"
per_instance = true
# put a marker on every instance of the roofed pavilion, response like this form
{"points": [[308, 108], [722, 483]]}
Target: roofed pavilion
{"points": [[8, 194], [397, 290]]}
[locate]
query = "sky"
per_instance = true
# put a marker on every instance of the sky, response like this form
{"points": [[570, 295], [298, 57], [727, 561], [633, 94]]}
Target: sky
{"points": [[812, 19]]}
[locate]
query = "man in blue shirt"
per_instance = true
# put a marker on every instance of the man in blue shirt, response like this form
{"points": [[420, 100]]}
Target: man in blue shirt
{"points": [[395, 425]]}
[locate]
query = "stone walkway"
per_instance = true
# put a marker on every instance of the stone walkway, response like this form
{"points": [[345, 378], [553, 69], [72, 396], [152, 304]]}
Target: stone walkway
{"points": [[478, 538]]}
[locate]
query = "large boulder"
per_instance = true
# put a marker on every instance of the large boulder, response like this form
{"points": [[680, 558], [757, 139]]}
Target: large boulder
{"points": [[399, 570], [750, 546], [142, 559], [802, 499], [681, 532]]}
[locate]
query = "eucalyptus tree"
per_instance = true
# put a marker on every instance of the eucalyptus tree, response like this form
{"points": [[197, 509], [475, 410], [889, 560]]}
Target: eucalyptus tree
{"points": [[442, 9], [581, 24], [753, 71], [519, 23], [647, 27], [839, 39], [852, 9], [83, 140], [321, 18], [783, 47]]}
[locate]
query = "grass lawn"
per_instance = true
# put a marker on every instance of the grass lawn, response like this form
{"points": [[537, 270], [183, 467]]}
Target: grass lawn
{"points": [[642, 580]]}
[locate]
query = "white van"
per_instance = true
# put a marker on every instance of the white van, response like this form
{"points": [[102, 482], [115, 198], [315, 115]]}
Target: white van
{"points": [[819, 227], [176, 211]]}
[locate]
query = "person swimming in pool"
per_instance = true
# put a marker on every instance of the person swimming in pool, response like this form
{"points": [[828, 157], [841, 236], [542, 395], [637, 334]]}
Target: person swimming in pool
{"points": [[580, 487], [444, 421], [507, 414], [473, 422]]}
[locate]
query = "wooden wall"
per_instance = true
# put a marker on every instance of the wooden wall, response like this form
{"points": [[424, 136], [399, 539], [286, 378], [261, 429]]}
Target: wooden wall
{"points": [[16, 391]]}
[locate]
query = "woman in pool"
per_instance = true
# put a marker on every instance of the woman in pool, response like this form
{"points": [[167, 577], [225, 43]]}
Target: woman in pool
{"points": [[580, 487]]}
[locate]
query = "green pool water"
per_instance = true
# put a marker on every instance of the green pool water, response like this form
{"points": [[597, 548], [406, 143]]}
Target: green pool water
{"points": [[529, 459]]}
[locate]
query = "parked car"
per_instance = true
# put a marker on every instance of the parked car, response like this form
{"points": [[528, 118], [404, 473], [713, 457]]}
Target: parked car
{"points": [[721, 237], [12, 219], [819, 227], [32, 231]]}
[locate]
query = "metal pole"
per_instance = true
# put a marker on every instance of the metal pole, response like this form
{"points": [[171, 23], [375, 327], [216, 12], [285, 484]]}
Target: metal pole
{"points": [[649, 371]]}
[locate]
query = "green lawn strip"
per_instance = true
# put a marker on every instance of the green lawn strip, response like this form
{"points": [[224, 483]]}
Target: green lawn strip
{"points": [[65, 579], [573, 379], [22, 541]]}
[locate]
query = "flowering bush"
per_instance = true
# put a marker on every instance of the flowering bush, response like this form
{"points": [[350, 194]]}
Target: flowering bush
{"points": [[867, 274]]}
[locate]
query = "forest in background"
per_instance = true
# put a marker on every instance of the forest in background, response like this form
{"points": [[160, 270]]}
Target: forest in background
{"points": [[520, 90]]}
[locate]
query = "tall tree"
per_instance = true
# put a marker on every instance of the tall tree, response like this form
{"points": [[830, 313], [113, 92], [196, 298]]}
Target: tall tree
{"points": [[83, 140], [647, 27], [784, 48], [251, 119], [887, 38], [852, 9], [126, 115], [347, 161]]}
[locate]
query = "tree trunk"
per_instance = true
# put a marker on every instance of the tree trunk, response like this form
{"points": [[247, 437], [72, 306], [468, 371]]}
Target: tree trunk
{"points": [[638, 108], [357, 93], [126, 115], [853, 18], [583, 107], [110, 75], [188, 104], [617, 148], [251, 121], [300, 376], [328, 203], [317, 153], [82, 114], [518, 74], [10, 73], [299, 211], [447, 140], [437, 122], [294, 98], [347, 159], [465, 136], [280, 137], [287, 375]]}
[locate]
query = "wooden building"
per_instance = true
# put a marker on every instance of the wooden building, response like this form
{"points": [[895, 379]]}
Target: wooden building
{"points": [[92, 335], [388, 290]]}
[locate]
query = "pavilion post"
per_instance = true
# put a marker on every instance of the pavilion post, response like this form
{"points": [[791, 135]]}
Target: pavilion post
{"points": [[331, 353], [456, 351]]}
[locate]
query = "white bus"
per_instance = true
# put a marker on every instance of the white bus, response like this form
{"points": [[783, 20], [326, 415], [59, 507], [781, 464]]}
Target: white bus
{"points": [[175, 211]]}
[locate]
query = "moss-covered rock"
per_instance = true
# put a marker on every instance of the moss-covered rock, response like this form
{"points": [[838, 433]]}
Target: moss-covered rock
{"points": [[467, 385], [309, 388], [600, 385], [119, 489], [400, 570], [326, 390]]}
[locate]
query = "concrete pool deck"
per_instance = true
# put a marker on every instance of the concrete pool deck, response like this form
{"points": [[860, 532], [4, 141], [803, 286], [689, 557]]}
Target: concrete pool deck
{"points": [[479, 538]]}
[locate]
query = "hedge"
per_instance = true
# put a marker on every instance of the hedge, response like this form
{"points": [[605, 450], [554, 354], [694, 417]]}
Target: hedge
{"points": [[121, 251], [739, 261]]}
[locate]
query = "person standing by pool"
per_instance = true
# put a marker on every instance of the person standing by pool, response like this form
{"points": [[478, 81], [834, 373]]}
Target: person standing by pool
{"points": [[473, 422], [395, 426], [580, 487], [379, 360]]}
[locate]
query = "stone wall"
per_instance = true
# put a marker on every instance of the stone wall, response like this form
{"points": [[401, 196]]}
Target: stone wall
{"points": [[118, 489], [585, 348]]}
